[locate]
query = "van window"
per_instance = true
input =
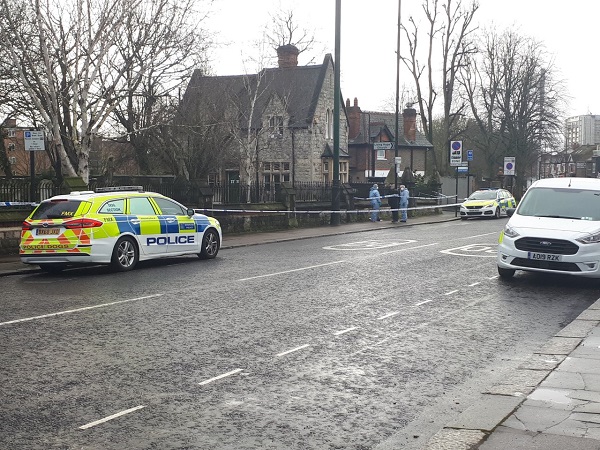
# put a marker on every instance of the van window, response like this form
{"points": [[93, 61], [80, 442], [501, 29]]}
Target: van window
{"points": [[561, 203]]}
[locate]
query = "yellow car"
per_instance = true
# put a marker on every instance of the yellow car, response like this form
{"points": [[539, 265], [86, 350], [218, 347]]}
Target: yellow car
{"points": [[487, 203], [118, 226]]}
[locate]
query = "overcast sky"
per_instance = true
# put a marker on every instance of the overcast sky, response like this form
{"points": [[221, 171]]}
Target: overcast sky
{"points": [[568, 29]]}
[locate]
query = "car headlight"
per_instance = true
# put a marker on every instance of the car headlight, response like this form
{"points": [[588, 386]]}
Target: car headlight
{"points": [[510, 232], [593, 238], [490, 205]]}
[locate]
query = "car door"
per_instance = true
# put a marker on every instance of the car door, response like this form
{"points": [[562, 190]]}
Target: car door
{"points": [[181, 228], [150, 234]]}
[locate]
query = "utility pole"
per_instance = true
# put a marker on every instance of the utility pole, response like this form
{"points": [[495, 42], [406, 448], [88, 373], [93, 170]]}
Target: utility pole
{"points": [[397, 99]]}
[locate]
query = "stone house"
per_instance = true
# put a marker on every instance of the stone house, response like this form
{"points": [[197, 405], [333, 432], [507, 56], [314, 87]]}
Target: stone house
{"points": [[280, 121], [367, 162]]}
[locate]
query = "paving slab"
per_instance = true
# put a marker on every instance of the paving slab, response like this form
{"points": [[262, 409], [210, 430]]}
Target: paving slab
{"points": [[560, 345], [578, 328], [487, 413], [542, 362], [510, 439], [590, 314], [448, 439], [580, 365]]}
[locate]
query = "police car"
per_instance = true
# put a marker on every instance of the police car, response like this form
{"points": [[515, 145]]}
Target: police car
{"points": [[487, 202], [118, 226]]}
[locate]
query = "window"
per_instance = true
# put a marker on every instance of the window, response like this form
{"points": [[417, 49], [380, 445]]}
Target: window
{"points": [[330, 130], [267, 167], [327, 135], [11, 133], [381, 155], [11, 147], [12, 159], [276, 125], [113, 207], [61, 209], [275, 172], [169, 207], [326, 166], [141, 206]]}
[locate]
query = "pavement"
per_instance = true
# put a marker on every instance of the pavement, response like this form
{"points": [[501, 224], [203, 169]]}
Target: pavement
{"points": [[551, 402]]}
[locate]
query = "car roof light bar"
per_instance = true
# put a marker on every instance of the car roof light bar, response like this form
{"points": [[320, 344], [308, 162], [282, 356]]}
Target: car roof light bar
{"points": [[120, 189]]}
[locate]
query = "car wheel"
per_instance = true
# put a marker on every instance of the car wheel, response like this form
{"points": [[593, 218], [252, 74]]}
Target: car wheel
{"points": [[505, 274], [125, 255], [210, 245], [53, 268], [497, 213]]}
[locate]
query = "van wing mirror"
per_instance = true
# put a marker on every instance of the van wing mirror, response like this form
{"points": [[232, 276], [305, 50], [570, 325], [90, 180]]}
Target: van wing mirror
{"points": [[510, 211]]}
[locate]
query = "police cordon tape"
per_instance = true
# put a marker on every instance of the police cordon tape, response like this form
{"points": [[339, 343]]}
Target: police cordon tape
{"points": [[341, 211]]}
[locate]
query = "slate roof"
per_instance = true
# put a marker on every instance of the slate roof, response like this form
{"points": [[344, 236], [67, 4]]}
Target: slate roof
{"points": [[379, 119], [300, 87]]}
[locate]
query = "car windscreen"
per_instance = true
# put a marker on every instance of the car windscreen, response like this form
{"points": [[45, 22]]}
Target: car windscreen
{"points": [[59, 209], [578, 204], [483, 195]]}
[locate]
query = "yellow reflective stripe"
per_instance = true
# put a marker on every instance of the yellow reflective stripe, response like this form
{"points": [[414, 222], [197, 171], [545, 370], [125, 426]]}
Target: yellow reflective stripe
{"points": [[149, 225]]}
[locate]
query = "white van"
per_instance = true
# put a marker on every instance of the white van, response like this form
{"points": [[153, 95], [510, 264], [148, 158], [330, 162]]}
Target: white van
{"points": [[555, 229]]}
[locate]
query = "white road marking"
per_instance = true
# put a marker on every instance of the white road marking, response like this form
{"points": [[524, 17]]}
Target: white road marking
{"points": [[292, 270], [347, 330], [409, 248], [114, 416], [422, 303], [475, 250], [451, 292], [388, 315], [293, 350], [474, 284], [86, 308], [494, 277], [368, 245], [224, 375]]}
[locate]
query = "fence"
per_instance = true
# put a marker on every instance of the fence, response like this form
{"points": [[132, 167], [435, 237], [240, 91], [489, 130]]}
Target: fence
{"points": [[18, 190]]}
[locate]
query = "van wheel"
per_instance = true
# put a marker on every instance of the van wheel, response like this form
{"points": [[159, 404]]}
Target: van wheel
{"points": [[125, 255], [210, 245], [506, 274], [497, 213]]}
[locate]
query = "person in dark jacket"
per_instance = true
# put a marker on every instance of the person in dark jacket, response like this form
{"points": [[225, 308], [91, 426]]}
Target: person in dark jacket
{"points": [[393, 199]]}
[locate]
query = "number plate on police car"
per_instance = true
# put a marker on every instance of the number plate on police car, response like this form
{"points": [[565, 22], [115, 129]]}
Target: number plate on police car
{"points": [[543, 256], [48, 231]]}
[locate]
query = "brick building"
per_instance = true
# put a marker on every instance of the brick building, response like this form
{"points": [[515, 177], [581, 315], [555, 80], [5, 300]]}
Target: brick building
{"points": [[280, 119], [16, 158], [368, 127]]}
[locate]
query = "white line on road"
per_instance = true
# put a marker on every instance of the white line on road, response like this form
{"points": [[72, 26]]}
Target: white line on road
{"points": [[406, 248], [70, 311], [293, 350], [347, 330], [475, 284], [451, 292], [388, 315], [114, 416], [224, 375], [292, 270], [422, 303], [493, 278]]}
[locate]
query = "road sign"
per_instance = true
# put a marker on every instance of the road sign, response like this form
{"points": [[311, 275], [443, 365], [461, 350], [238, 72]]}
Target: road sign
{"points": [[383, 145], [398, 160], [34, 141], [509, 165], [469, 155], [455, 153], [462, 169]]}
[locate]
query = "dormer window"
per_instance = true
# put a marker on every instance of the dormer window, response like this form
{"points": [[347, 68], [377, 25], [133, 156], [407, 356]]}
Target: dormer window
{"points": [[276, 125]]}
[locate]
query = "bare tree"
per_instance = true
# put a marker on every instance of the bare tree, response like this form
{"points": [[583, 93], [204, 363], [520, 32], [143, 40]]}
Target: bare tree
{"points": [[453, 26], [77, 61], [284, 30], [515, 101]]}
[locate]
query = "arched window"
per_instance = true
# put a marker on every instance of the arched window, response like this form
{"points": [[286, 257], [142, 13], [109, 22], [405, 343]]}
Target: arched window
{"points": [[327, 135]]}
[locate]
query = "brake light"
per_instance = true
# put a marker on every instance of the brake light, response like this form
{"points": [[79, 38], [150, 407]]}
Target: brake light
{"points": [[82, 223], [26, 226]]}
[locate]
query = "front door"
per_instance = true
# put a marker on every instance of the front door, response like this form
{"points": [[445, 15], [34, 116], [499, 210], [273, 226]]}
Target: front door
{"points": [[233, 187]]}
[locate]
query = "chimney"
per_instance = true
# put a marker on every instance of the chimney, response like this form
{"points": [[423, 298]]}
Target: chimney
{"points": [[287, 56], [353, 118], [409, 116]]}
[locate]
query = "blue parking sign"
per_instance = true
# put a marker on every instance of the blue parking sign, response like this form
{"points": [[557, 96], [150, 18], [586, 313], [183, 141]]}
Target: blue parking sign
{"points": [[469, 155]]}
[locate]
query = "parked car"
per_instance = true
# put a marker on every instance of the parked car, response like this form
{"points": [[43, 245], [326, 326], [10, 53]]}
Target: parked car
{"points": [[118, 226], [555, 229], [487, 203]]}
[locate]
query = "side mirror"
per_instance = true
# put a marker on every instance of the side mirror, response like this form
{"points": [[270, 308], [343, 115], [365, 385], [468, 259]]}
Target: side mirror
{"points": [[190, 212], [510, 211]]}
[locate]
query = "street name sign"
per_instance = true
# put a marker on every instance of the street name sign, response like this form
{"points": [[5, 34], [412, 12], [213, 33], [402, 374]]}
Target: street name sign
{"points": [[383, 145]]}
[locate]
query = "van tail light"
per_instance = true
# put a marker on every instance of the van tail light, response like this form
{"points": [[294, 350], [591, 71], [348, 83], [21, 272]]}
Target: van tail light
{"points": [[82, 223], [26, 226]]}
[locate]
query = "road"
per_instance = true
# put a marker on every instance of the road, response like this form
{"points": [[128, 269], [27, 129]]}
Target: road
{"points": [[368, 340]]}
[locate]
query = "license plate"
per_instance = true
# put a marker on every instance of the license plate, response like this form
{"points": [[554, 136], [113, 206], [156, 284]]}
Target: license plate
{"points": [[48, 231], [543, 256]]}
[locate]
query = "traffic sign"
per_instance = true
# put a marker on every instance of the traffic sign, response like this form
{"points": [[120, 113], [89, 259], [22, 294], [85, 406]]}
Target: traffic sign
{"points": [[462, 169], [455, 153], [383, 145], [509, 165], [34, 141], [469, 155]]}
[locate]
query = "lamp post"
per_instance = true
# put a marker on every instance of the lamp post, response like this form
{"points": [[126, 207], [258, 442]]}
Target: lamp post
{"points": [[335, 197]]}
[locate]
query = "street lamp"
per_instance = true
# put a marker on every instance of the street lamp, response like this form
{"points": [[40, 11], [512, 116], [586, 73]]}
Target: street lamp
{"points": [[397, 99], [335, 197]]}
